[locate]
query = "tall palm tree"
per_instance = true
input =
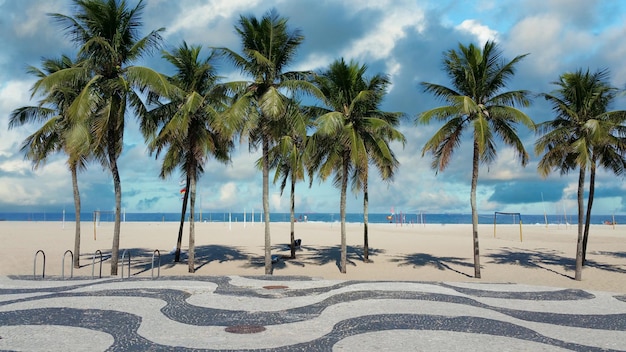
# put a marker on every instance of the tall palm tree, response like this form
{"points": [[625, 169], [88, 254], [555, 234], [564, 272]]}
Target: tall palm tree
{"points": [[377, 133], [106, 33], [609, 151], [288, 156], [582, 135], [58, 131], [268, 47], [190, 127], [350, 129], [476, 100]]}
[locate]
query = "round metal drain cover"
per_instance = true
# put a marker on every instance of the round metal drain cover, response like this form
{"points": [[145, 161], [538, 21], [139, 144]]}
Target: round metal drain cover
{"points": [[275, 287], [245, 329]]}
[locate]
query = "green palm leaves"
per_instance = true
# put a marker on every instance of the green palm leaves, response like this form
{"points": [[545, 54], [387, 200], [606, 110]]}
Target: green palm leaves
{"points": [[351, 133], [59, 132], [106, 35], [268, 46], [583, 135], [188, 128], [476, 102]]}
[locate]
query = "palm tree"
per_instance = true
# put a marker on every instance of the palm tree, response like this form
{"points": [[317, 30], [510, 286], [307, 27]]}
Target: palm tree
{"points": [[57, 132], [609, 151], [476, 101], [378, 131], [106, 32], [268, 47], [191, 128], [582, 135], [350, 129], [288, 156]]}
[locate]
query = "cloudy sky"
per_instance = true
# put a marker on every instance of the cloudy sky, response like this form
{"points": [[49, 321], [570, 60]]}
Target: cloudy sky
{"points": [[402, 38]]}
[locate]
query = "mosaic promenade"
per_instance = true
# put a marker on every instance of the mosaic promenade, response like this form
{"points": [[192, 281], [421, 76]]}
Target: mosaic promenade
{"points": [[303, 314]]}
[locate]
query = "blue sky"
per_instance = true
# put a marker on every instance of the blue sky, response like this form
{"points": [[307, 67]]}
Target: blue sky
{"points": [[404, 39]]}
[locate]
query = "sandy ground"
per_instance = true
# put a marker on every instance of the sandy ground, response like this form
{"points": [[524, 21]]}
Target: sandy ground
{"points": [[431, 252]]}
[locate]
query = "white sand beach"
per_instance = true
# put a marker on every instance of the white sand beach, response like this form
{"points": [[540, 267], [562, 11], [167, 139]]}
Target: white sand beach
{"points": [[431, 252]]}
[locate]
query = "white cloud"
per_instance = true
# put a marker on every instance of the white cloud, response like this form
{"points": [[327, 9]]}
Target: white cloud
{"points": [[196, 15], [553, 44], [16, 166], [228, 194], [396, 23], [481, 32], [36, 17]]}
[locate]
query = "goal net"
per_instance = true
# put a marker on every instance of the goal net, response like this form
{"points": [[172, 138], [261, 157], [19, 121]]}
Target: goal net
{"points": [[101, 216], [507, 220]]}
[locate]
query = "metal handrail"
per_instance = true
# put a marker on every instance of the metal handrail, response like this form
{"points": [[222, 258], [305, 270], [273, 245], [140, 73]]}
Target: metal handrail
{"points": [[93, 263], [123, 255], [63, 264], [43, 272], [156, 251]]}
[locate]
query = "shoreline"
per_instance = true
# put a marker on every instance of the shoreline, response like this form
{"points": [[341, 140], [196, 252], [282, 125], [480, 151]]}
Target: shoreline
{"points": [[411, 252]]}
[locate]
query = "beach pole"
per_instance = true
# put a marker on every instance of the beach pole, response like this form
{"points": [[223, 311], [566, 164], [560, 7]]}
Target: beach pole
{"points": [[94, 225], [545, 216], [565, 215], [613, 221], [229, 222], [244, 218], [252, 216]]}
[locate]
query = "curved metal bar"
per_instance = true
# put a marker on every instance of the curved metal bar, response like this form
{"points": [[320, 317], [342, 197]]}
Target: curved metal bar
{"points": [[63, 264], [43, 272], [156, 251], [124, 255], [93, 263]]}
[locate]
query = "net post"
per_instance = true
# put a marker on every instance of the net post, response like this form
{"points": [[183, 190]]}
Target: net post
{"points": [[495, 216], [94, 225], [520, 229]]}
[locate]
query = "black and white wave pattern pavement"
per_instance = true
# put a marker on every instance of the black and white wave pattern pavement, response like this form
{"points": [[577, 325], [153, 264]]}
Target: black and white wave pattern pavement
{"points": [[303, 314]]}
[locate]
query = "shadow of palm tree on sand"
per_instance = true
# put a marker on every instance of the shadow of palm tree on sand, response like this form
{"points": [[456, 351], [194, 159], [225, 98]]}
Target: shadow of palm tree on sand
{"points": [[441, 263], [540, 258], [308, 255], [141, 259], [610, 254]]}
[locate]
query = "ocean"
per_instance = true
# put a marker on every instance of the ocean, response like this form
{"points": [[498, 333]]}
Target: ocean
{"points": [[375, 218]]}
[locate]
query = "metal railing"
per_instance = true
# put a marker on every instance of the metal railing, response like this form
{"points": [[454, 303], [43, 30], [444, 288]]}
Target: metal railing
{"points": [[93, 263], [124, 255], [156, 251], [43, 272], [71, 264]]}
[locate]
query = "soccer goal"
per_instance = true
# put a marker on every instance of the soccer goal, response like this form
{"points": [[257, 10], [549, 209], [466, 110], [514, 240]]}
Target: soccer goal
{"points": [[98, 216], [514, 218]]}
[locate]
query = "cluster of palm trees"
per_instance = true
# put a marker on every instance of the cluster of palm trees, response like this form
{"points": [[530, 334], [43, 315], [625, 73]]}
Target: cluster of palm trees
{"points": [[582, 136], [191, 116]]}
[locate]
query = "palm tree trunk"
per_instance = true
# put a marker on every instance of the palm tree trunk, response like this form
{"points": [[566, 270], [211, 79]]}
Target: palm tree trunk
{"points": [[366, 250], [475, 211], [117, 186], [266, 208], [592, 187], [77, 212], [342, 214], [179, 241], [581, 209], [292, 200], [191, 256]]}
